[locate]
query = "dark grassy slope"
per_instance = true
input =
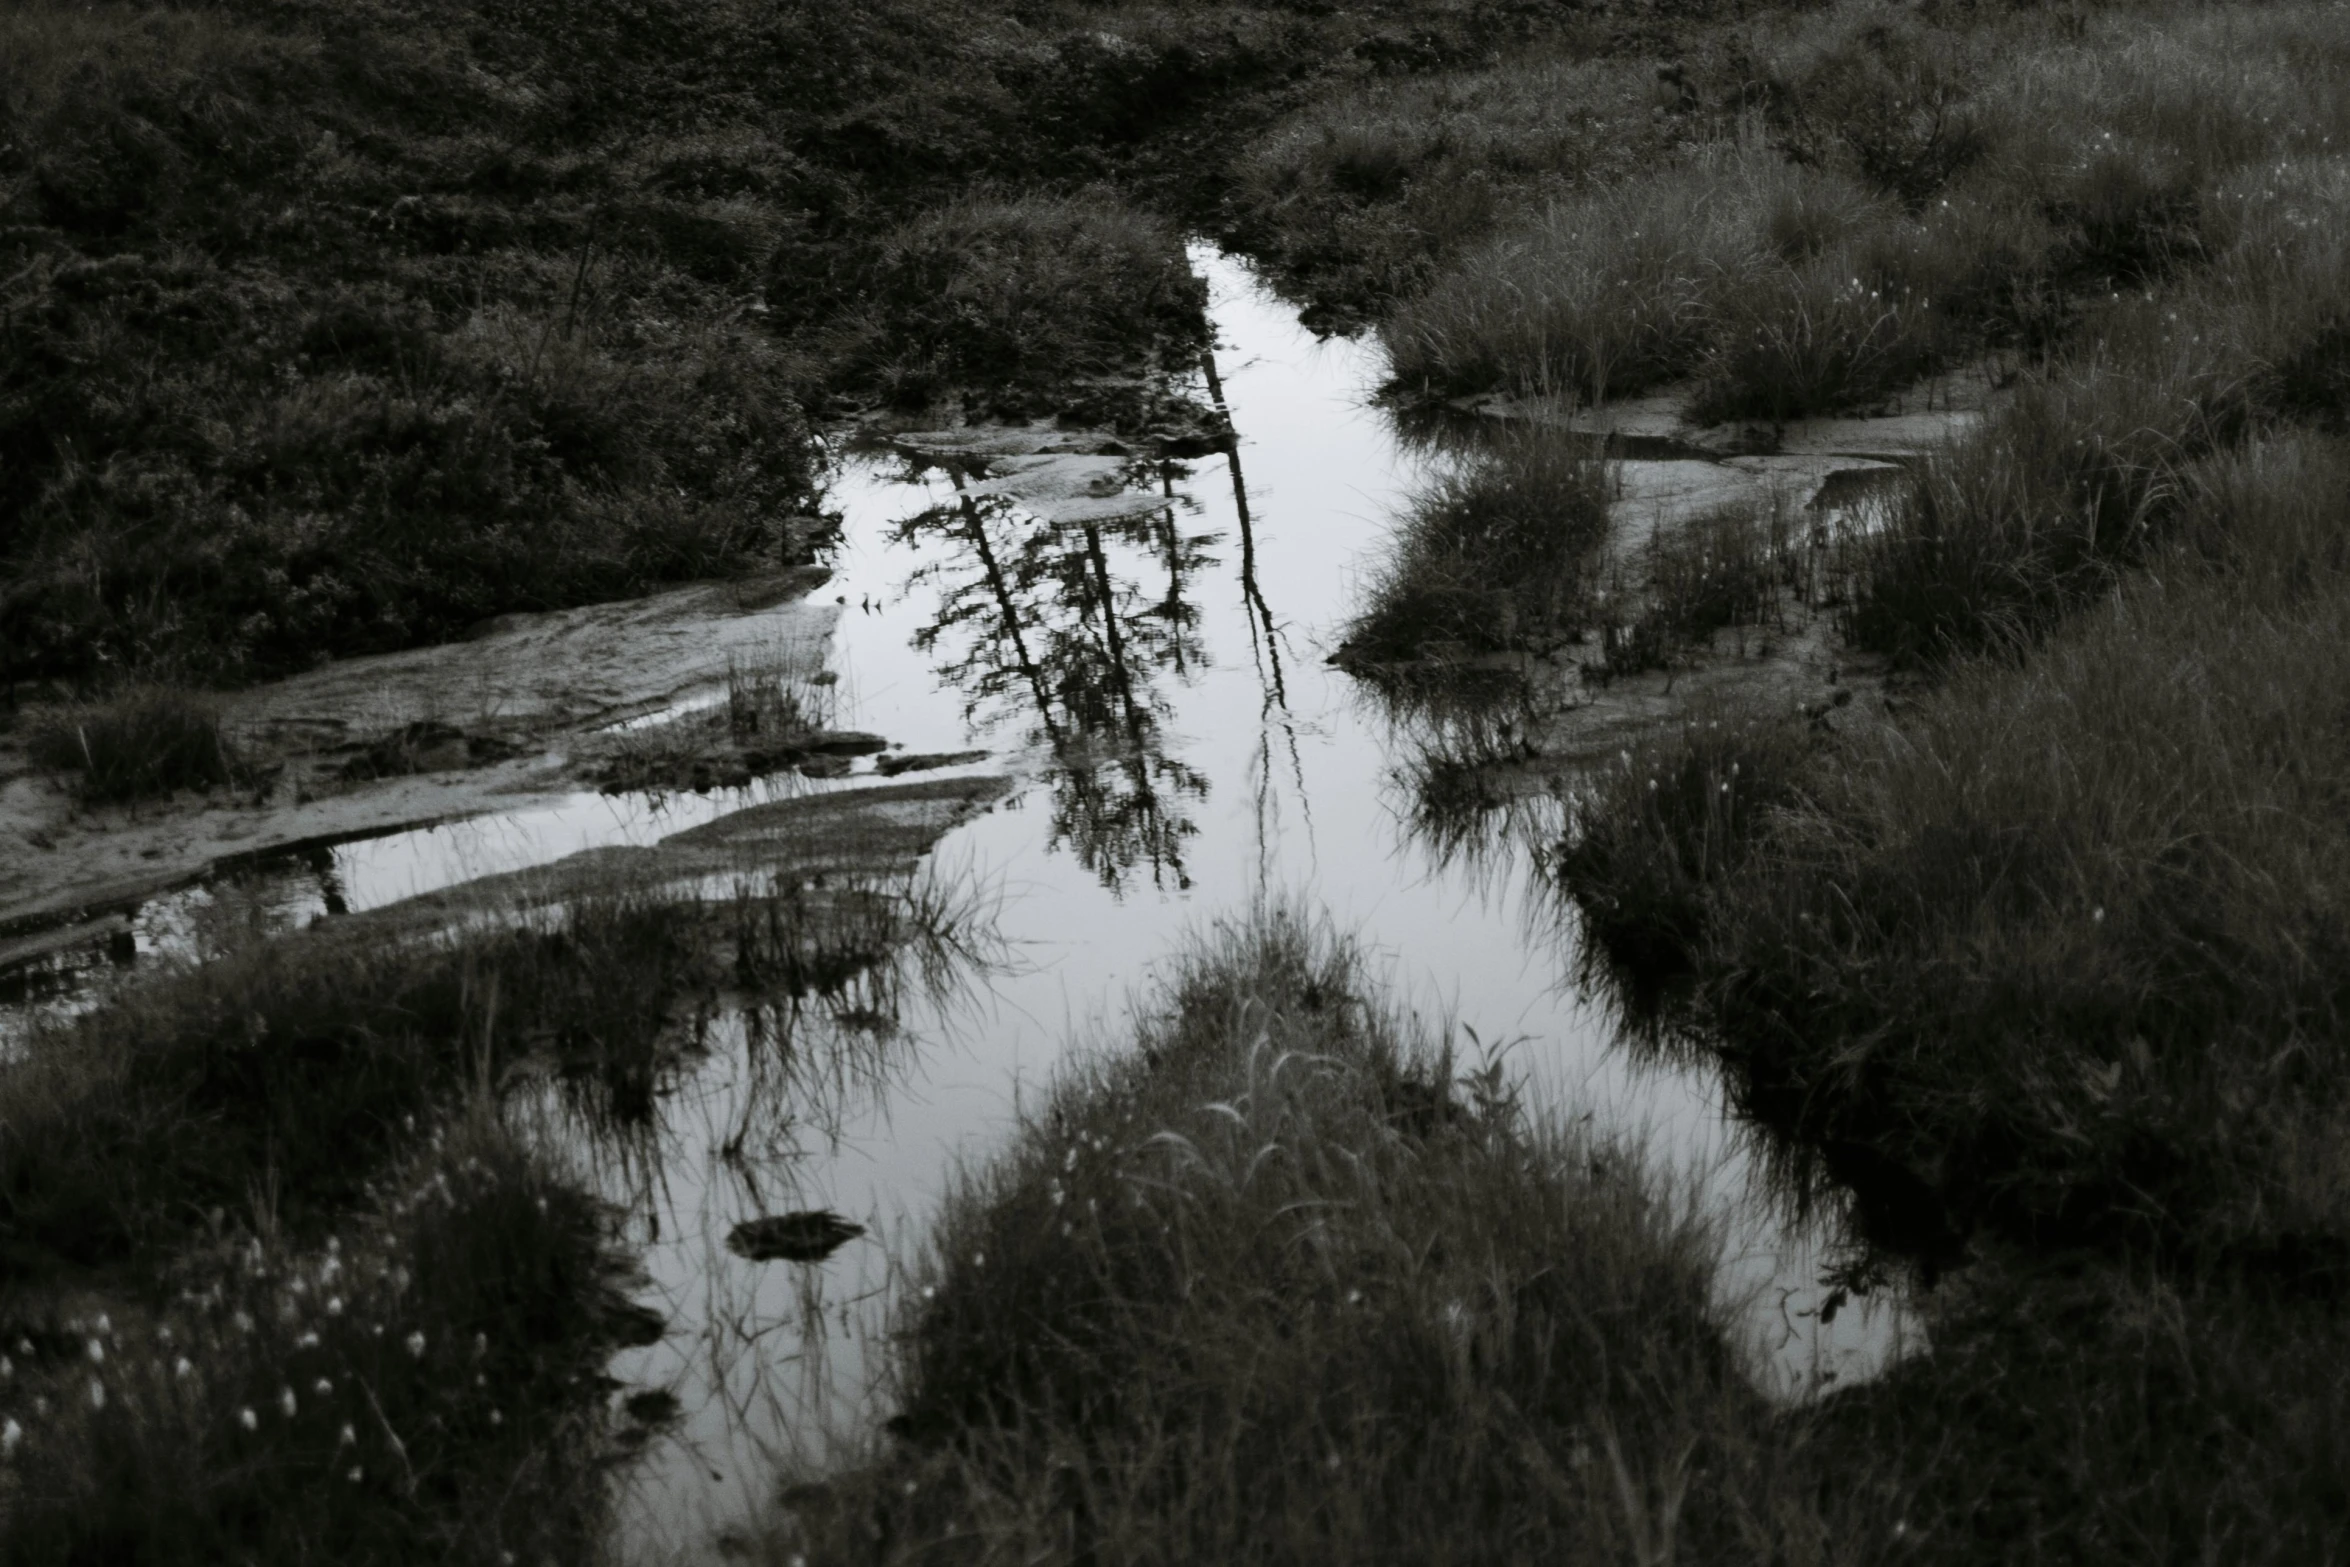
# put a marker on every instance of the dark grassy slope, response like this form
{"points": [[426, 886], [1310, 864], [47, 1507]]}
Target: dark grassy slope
{"points": [[328, 328]]}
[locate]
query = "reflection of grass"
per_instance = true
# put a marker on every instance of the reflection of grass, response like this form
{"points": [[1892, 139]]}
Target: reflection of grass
{"points": [[301, 1057], [141, 743], [1496, 553], [282, 1088], [1283, 1288], [1648, 839]]}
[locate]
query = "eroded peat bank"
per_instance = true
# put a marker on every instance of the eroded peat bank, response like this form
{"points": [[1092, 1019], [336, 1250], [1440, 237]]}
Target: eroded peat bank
{"points": [[754, 827]]}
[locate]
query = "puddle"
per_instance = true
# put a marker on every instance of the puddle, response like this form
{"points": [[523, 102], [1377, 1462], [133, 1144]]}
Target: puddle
{"points": [[1142, 647]]}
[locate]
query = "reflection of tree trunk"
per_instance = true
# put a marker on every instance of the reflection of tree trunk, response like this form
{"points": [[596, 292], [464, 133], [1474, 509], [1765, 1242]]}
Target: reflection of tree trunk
{"points": [[1174, 605], [1260, 613], [973, 524], [1137, 744]]}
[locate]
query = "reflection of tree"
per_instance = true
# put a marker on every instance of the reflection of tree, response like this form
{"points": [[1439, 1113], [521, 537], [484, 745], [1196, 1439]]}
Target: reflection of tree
{"points": [[1264, 641], [1050, 619]]}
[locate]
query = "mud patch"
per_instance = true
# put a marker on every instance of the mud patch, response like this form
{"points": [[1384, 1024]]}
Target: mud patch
{"points": [[525, 712]]}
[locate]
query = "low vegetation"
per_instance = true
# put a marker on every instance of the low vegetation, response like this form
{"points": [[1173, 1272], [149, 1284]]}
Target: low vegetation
{"points": [[143, 743], [1897, 196], [1498, 552], [1030, 304], [335, 328], [1267, 1286], [424, 1384], [1365, 197]]}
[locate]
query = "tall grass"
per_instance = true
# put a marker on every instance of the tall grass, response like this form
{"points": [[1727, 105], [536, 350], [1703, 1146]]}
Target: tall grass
{"points": [[2029, 515], [2062, 949], [141, 743], [1915, 193], [1499, 551], [1269, 1286], [423, 1385], [304, 1061]]}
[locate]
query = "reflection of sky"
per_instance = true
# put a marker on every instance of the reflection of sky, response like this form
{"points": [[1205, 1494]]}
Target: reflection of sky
{"points": [[1297, 802]]}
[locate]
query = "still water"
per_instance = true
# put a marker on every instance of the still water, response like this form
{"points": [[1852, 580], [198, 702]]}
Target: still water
{"points": [[1156, 681], [1248, 770]]}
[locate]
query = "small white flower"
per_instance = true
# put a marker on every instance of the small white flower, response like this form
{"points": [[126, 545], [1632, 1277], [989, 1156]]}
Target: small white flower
{"points": [[322, 1387], [249, 1420], [334, 1305], [481, 1345], [183, 1368], [10, 1435], [496, 1418], [415, 1343], [346, 1437], [356, 1475], [7, 1368], [105, 1324], [307, 1341], [285, 1402], [97, 1394], [244, 1323], [97, 1353]]}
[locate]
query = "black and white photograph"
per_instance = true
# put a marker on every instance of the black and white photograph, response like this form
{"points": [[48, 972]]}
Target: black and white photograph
{"points": [[1175, 783]]}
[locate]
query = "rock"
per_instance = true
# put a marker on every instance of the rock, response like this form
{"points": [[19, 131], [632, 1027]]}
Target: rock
{"points": [[923, 761], [839, 742], [809, 1236]]}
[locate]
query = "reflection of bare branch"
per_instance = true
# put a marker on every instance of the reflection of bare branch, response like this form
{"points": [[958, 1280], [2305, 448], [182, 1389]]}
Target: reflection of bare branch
{"points": [[1264, 641]]}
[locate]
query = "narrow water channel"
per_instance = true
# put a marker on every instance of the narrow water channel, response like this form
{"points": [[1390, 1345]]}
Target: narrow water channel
{"points": [[1261, 773], [1156, 682]]}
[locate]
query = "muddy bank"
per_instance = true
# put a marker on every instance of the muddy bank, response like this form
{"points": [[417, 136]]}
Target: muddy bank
{"points": [[1715, 581], [528, 710]]}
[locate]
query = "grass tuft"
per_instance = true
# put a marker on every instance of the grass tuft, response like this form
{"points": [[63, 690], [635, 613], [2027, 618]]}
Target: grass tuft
{"points": [[1283, 1289], [1498, 552], [422, 1385], [143, 743]]}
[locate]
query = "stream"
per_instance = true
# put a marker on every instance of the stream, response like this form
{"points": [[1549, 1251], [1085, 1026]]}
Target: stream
{"points": [[1156, 683]]}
